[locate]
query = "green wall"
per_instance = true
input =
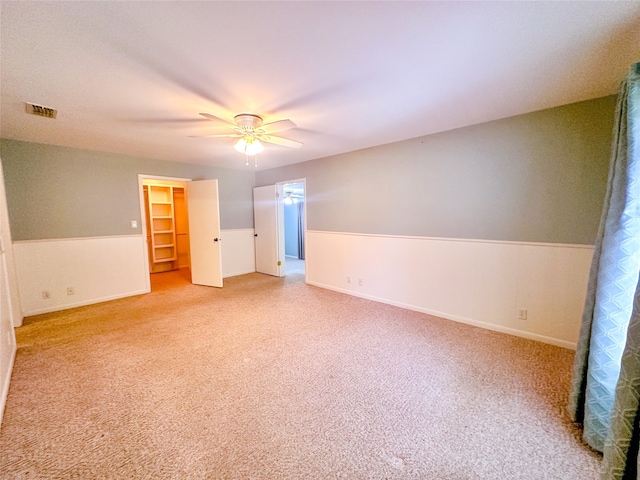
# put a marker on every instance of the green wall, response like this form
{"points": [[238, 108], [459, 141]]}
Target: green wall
{"points": [[60, 192], [538, 177]]}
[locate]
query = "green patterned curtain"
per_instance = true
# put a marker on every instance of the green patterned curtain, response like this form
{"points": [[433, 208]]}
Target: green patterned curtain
{"points": [[605, 394], [621, 446]]}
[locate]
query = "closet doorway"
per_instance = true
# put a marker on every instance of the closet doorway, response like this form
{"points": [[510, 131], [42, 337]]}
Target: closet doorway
{"points": [[181, 228], [167, 225]]}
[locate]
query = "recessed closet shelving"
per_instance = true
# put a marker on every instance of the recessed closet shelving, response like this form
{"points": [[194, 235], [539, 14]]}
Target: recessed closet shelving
{"points": [[162, 224]]}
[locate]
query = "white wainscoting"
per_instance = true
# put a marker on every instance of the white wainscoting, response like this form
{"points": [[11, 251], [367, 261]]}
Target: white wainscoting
{"points": [[482, 283], [97, 268], [238, 252], [102, 268]]}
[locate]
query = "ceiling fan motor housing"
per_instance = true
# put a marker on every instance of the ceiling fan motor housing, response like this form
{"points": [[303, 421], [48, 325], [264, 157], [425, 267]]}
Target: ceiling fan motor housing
{"points": [[248, 121]]}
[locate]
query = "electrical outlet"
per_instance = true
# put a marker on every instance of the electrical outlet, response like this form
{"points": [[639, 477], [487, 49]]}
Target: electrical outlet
{"points": [[359, 282], [46, 295], [522, 314], [70, 291], [348, 279], [134, 224]]}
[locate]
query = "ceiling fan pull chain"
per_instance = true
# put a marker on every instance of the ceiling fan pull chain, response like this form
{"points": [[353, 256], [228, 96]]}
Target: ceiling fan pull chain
{"points": [[255, 161], [247, 157]]}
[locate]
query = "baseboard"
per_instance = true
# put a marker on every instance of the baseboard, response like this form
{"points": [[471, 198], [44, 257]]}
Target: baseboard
{"points": [[84, 303], [235, 274], [469, 321], [5, 386], [18, 320]]}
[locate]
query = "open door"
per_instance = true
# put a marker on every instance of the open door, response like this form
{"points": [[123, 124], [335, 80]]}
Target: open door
{"points": [[269, 229], [204, 233]]}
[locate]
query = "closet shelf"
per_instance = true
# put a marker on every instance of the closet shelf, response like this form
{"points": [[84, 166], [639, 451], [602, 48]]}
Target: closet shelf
{"points": [[162, 223]]}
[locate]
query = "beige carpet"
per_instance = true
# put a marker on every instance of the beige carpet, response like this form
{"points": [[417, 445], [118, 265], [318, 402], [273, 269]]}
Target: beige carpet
{"points": [[270, 378]]}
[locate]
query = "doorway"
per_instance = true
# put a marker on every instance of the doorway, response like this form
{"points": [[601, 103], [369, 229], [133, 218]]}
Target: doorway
{"points": [[294, 227], [181, 229], [269, 224], [166, 224]]}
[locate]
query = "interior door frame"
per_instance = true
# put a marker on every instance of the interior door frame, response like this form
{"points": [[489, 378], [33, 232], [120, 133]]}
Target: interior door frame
{"points": [[280, 199], [143, 224]]}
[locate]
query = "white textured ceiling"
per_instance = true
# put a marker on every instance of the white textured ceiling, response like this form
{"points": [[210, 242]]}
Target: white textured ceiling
{"points": [[131, 77]]}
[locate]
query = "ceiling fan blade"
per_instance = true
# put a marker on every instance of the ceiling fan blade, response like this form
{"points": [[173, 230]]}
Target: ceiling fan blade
{"points": [[285, 142], [216, 135], [218, 119], [279, 126]]}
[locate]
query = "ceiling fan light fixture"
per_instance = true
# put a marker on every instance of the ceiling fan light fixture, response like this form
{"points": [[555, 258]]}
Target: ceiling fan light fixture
{"points": [[249, 146], [289, 199], [250, 129]]}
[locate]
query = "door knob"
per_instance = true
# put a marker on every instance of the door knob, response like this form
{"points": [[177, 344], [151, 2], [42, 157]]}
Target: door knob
{"points": [[216, 239]]}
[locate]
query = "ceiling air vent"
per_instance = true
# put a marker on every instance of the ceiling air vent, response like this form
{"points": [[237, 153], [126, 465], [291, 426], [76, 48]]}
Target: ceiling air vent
{"points": [[41, 111]]}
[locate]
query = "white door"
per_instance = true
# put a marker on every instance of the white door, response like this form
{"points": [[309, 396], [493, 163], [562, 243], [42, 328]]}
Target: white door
{"points": [[8, 340], [204, 233], [268, 214]]}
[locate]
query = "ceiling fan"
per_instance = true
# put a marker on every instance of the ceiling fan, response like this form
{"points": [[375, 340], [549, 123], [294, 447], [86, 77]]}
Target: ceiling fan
{"points": [[250, 130]]}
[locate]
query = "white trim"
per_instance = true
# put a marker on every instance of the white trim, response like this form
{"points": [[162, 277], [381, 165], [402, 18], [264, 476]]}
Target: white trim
{"points": [[446, 239], [235, 274], [160, 177], [48, 240], [236, 229], [455, 318], [88, 302], [297, 180], [7, 382]]}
